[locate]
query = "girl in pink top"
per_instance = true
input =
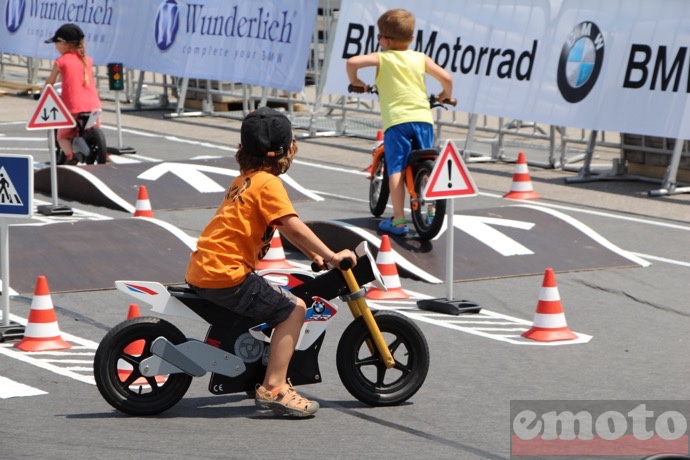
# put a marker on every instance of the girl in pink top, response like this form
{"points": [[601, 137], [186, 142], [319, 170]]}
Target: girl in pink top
{"points": [[79, 92]]}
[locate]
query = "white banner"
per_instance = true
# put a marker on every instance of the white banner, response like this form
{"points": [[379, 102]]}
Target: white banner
{"points": [[262, 42], [607, 65]]}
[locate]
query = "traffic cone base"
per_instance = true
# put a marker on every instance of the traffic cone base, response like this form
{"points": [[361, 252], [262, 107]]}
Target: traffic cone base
{"points": [[275, 257], [521, 187], [142, 207], [389, 271], [42, 332], [549, 321]]}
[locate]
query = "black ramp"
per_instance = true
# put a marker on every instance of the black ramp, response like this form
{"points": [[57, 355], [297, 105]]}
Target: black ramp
{"points": [[88, 255], [170, 185], [493, 243]]}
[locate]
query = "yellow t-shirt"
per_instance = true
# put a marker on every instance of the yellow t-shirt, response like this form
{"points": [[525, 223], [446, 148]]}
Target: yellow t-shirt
{"points": [[240, 232], [402, 91]]}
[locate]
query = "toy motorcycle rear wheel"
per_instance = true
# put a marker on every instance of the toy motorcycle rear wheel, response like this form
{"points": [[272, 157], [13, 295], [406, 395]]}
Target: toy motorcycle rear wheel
{"points": [[364, 373], [117, 374]]}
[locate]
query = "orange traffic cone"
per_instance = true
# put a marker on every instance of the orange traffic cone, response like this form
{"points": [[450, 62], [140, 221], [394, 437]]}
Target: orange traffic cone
{"points": [[275, 257], [42, 332], [389, 271], [143, 205], [379, 138], [549, 321], [379, 141], [136, 348], [521, 187]]}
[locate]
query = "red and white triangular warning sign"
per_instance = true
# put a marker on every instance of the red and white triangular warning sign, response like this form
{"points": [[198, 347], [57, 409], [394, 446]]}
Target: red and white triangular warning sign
{"points": [[51, 112], [450, 178]]}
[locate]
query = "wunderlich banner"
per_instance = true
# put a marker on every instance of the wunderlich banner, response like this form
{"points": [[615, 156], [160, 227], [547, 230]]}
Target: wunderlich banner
{"points": [[262, 42], [616, 65]]}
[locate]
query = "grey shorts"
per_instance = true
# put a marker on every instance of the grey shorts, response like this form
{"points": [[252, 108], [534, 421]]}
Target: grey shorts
{"points": [[255, 298]]}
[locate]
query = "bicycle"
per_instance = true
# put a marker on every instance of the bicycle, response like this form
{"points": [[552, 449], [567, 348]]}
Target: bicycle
{"points": [[144, 365], [427, 215], [89, 146]]}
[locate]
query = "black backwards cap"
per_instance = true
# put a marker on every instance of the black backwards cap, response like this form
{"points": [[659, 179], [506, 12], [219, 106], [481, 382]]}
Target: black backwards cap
{"points": [[266, 132], [70, 33]]}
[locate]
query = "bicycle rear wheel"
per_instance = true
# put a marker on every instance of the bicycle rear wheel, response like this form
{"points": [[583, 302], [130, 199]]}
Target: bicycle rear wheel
{"points": [[428, 215], [378, 189], [95, 139]]}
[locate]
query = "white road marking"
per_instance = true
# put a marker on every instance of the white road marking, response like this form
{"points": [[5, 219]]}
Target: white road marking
{"points": [[11, 389]]}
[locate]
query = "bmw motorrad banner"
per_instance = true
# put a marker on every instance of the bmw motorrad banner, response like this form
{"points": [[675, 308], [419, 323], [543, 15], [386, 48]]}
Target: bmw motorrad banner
{"points": [[615, 65], [262, 42]]}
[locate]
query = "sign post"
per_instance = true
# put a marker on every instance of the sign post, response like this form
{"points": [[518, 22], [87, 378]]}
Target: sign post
{"points": [[16, 200], [51, 114], [449, 179]]}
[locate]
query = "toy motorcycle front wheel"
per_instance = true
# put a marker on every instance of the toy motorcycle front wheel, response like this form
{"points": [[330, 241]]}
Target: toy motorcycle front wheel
{"points": [[364, 373], [117, 374]]}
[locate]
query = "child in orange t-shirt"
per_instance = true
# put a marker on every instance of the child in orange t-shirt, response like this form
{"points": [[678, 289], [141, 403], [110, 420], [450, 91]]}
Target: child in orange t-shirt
{"points": [[79, 92], [221, 269]]}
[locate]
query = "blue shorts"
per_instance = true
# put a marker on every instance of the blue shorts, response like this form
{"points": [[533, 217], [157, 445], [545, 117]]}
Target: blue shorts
{"points": [[400, 140], [255, 298]]}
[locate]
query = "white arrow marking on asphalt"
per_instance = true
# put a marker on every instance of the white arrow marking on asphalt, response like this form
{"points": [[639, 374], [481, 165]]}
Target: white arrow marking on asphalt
{"points": [[191, 174], [479, 228], [11, 389]]}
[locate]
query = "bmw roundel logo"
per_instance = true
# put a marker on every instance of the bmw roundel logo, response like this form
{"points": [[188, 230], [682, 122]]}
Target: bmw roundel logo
{"points": [[167, 23], [319, 308], [580, 61], [14, 14]]}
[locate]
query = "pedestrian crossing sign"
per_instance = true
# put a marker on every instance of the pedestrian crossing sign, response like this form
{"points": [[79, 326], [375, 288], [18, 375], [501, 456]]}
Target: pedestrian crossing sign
{"points": [[16, 185]]}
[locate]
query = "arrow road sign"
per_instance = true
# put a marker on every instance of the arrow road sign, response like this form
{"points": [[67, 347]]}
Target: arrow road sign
{"points": [[51, 112], [450, 177]]}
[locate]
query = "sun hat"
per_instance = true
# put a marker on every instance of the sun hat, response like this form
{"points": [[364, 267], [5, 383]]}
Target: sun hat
{"points": [[70, 33], [266, 132]]}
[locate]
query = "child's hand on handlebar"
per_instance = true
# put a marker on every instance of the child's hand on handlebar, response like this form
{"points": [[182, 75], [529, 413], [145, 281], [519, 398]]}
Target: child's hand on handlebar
{"points": [[358, 87], [336, 259], [444, 98]]}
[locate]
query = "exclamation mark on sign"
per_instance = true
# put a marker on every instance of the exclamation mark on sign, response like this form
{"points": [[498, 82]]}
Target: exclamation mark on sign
{"points": [[450, 165]]}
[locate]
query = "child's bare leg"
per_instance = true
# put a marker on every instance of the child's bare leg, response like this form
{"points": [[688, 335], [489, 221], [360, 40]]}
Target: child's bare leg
{"points": [[397, 190], [283, 344], [66, 146]]}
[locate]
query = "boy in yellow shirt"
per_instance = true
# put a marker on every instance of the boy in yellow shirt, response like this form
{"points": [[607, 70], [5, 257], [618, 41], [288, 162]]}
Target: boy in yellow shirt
{"points": [[407, 117]]}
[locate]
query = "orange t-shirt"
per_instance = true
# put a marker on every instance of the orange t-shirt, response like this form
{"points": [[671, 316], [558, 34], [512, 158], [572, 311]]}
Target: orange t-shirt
{"points": [[240, 232]]}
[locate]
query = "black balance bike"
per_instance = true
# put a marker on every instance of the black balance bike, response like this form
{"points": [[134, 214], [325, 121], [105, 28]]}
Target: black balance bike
{"points": [[144, 365]]}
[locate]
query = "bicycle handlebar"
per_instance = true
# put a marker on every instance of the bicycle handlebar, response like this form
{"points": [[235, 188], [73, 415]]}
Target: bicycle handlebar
{"points": [[433, 100], [345, 264]]}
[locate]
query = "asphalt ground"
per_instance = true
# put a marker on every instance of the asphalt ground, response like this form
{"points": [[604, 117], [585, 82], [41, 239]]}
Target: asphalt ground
{"points": [[637, 319]]}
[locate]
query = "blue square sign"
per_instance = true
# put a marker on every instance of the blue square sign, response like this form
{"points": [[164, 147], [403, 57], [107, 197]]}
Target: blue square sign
{"points": [[16, 185]]}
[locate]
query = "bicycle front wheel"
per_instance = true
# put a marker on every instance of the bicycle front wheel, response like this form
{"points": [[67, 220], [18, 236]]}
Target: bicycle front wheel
{"points": [[363, 371], [378, 189], [427, 215]]}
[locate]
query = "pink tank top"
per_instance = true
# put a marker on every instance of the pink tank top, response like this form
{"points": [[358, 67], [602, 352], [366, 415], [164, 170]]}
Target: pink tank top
{"points": [[76, 96]]}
